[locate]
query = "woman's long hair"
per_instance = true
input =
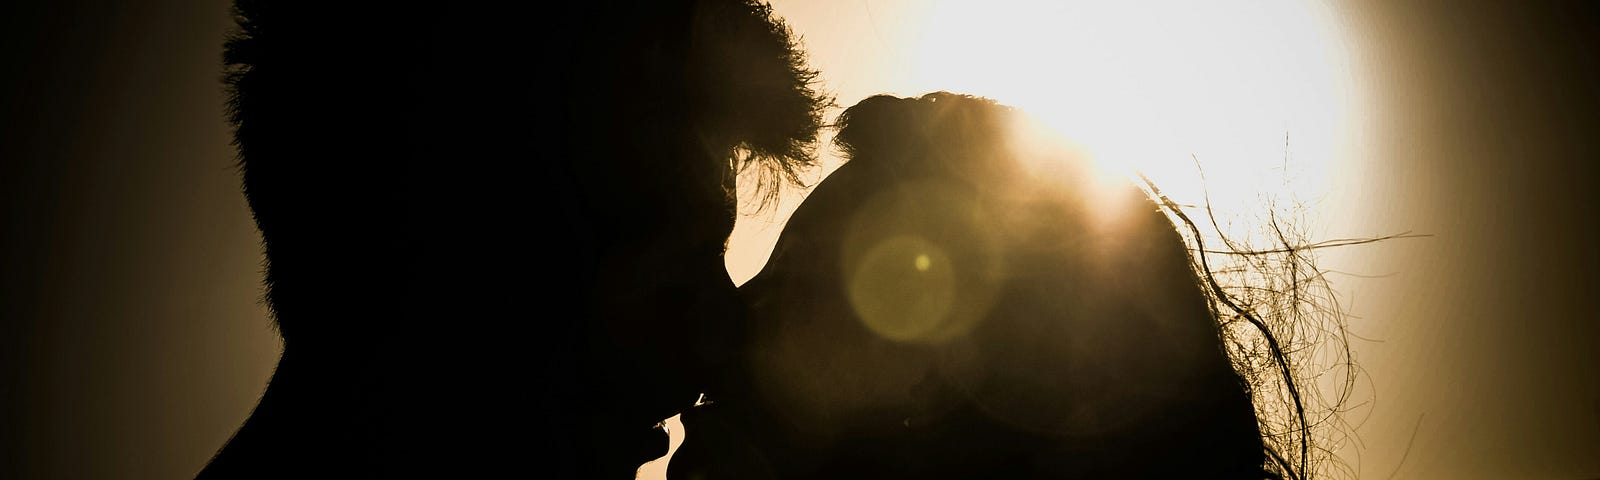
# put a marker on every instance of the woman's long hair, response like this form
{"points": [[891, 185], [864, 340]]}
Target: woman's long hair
{"points": [[1283, 326]]}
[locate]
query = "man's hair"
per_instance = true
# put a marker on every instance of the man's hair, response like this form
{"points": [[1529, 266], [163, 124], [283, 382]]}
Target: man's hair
{"points": [[456, 199], [756, 90], [339, 129]]}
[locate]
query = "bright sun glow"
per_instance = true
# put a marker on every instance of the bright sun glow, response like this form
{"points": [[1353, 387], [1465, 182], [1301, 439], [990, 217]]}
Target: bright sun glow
{"points": [[1140, 86], [1258, 94]]}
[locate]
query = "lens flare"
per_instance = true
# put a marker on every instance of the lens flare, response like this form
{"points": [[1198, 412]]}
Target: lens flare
{"points": [[897, 291], [920, 265]]}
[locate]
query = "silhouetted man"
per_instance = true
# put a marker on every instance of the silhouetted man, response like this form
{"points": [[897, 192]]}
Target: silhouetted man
{"points": [[963, 300], [494, 234]]}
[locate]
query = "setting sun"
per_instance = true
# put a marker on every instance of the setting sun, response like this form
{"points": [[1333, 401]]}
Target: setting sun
{"points": [[1144, 86], [929, 239], [1261, 94]]}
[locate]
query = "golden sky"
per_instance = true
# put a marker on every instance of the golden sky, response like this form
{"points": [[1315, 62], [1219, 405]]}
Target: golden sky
{"points": [[132, 343], [1377, 119], [1140, 86]]}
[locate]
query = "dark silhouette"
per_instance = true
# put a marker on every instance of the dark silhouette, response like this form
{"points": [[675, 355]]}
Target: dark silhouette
{"points": [[494, 236], [954, 302]]}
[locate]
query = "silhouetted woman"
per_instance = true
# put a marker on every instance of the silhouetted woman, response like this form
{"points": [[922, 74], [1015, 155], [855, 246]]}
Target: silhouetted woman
{"points": [[964, 300]]}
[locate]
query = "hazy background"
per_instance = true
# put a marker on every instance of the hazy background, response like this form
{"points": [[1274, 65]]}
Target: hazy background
{"points": [[132, 341]]}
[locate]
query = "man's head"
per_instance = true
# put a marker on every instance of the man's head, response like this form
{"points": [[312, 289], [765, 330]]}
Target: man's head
{"points": [[355, 125], [476, 217]]}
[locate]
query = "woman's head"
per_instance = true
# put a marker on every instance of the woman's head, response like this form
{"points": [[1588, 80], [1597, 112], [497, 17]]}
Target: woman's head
{"points": [[955, 283]]}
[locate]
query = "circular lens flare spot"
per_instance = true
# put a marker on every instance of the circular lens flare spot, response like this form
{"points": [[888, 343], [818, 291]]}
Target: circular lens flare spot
{"points": [[903, 289]]}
